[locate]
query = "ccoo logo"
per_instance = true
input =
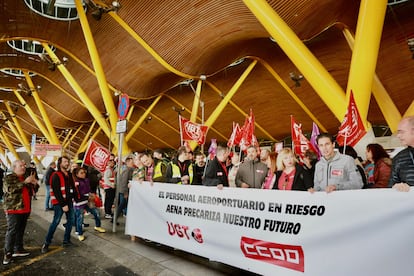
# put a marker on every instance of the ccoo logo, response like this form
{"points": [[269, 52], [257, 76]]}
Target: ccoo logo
{"points": [[289, 256]]}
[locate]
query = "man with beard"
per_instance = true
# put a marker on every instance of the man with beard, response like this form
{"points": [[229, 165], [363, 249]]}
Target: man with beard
{"points": [[199, 166], [61, 194]]}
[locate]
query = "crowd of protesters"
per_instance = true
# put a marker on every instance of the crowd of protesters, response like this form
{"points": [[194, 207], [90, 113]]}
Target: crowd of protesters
{"points": [[72, 189]]}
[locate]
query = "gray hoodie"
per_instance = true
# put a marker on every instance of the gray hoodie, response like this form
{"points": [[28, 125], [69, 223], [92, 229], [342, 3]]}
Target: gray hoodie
{"points": [[340, 171]]}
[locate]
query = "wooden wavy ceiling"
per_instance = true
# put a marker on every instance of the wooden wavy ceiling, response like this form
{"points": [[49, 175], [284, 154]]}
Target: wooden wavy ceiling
{"points": [[198, 38]]}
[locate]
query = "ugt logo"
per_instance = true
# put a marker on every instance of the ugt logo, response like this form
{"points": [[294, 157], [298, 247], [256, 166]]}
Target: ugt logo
{"points": [[289, 256], [182, 231]]}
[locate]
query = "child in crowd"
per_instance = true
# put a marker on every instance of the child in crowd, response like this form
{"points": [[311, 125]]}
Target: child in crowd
{"points": [[84, 200]]}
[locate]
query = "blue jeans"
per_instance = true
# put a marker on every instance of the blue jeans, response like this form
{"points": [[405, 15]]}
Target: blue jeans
{"points": [[47, 199], [79, 218], [55, 223], [123, 204]]}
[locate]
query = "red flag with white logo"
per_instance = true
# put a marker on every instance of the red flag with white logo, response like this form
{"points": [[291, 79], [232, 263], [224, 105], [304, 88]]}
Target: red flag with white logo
{"points": [[96, 156], [248, 132], [352, 129], [299, 141], [235, 135], [192, 132]]}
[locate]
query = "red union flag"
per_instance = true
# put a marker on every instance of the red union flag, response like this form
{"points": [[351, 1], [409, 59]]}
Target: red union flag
{"points": [[235, 135], [352, 129], [96, 156], [248, 138], [192, 131], [299, 141]]}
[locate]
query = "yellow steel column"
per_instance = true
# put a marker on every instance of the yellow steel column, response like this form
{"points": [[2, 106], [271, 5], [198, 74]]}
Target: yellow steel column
{"points": [[196, 101], [79, 91], [16, 133], [162, 121], [241, 111], [162, 141], [314, 72], [220, 107], [36, 120], [41, 108], [151, 51], [194, 111], [97, 65], [73, 136], [3, 136], [19, 128], [83, 148], [365, 53], [142, 118], [293, 95], [410, 110], [385, 103], [188, 110], [67, 138], [130, 111], [86, 138]]}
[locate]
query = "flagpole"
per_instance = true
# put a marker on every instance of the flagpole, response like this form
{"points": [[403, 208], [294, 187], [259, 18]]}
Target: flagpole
{"points": [[346, 135], [181, 130]]}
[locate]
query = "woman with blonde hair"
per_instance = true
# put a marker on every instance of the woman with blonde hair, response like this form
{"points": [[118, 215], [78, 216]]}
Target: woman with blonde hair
{"points": [[291, 175]]}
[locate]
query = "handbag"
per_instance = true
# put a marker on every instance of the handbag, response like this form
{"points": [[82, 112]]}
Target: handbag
{"points": [[94, 201]]}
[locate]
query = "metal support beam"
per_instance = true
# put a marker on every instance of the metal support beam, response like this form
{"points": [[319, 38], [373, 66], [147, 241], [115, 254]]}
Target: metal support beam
{"points": [[162, 141], [365, 54], [86, 138], [3, 136], [142, 118], [410, 110], [74, 135], [82, 95], [293, 95], [220, 107], [83, 148], [97, 65], [145, 45], [188, 110], [25, 141], [196, 102], [162, 121], [66, 138], [235, 106], [385, 103], [42, 109], [314, 72], [36, 120]]}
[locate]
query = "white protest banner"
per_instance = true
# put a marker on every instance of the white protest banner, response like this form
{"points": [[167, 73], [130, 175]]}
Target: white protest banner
{"points": [[270, 232]]}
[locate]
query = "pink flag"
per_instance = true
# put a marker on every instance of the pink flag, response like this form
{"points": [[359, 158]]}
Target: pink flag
{"points": [[212, 149], [352, 129], [314, 135]]}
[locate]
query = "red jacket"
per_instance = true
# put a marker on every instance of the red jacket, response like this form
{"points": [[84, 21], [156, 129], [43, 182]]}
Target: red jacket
{"points": [[382, 172]]}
